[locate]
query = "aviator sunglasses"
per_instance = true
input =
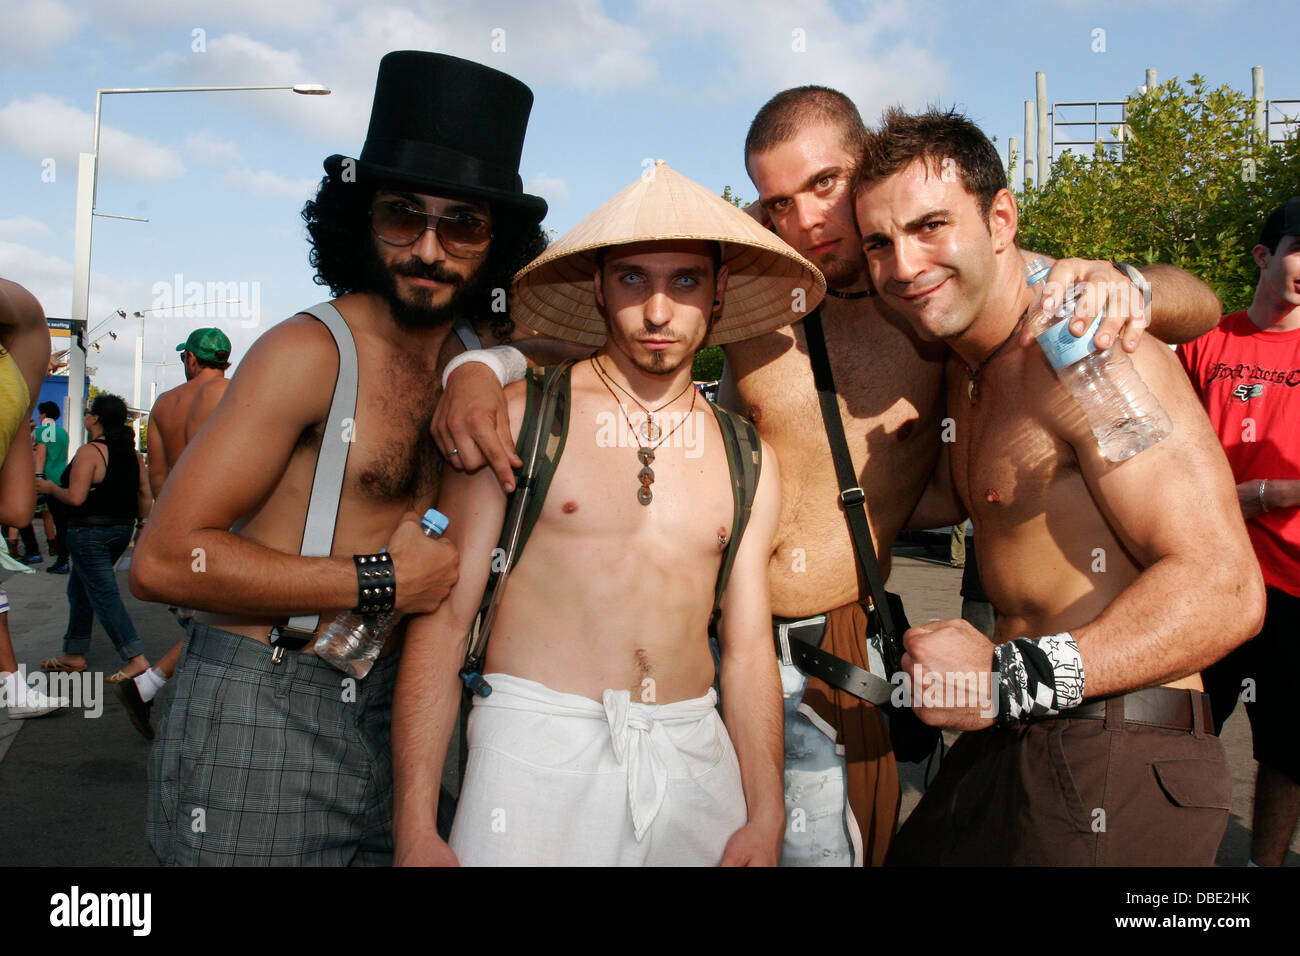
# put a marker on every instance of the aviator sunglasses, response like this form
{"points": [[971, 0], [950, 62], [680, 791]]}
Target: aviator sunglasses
{"points": [[398, 224]]}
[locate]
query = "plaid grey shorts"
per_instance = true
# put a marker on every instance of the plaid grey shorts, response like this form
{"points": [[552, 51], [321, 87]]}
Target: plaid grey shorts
{"points": [[262, 764]]}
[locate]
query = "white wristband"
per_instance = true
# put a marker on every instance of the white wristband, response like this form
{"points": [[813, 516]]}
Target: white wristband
{"points": [[506, 361]]}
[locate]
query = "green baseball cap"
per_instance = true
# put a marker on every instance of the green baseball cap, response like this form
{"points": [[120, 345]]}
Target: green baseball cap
{"points": [[211, 345]]}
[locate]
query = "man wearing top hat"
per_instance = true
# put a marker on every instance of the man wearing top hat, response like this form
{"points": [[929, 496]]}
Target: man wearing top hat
{"points": [[600, 742], [268, 755]]}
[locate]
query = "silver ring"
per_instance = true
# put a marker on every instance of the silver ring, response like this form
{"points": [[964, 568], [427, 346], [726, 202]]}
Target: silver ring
{"points": [[452, 452]]}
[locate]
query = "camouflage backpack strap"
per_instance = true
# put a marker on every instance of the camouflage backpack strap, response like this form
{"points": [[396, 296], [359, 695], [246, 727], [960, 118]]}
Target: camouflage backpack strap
{"points": [[745, 462], [542, 434], [546, 423]]}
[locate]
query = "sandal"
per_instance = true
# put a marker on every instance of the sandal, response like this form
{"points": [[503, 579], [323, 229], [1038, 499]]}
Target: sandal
{"points": [[119, 676], [59, 666]]}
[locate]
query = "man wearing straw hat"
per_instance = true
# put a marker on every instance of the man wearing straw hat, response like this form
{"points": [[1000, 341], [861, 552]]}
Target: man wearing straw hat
{"points": [[600, 742]]}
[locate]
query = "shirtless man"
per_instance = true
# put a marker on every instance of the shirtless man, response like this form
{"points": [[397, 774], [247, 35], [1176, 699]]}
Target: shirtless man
{"points": [[600, 743], [295, 767], [176, 417], [1107, 606], [800, 152]]}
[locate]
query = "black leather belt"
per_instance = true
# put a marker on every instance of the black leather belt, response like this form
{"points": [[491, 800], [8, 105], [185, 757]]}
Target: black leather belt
{"points": [[1164, 707], [797, 643]]}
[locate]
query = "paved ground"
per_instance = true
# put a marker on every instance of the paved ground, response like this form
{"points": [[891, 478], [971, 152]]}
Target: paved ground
{"points": [[72, 785]]}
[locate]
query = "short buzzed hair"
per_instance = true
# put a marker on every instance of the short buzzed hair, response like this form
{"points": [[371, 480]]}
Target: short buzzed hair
{"points": [[786, 114], [49, 410], [938, 137]]}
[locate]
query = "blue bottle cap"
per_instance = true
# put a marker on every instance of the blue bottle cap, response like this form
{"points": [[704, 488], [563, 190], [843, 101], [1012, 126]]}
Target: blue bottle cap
{"points": [[435, 521]]}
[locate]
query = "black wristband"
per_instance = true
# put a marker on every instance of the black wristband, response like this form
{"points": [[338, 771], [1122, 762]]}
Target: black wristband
{"points": [[376, 583]]}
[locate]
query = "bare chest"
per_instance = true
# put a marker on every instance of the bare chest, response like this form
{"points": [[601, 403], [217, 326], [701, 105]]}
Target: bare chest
{"points": [[595, 493], [392, 459], [1007, 465]]}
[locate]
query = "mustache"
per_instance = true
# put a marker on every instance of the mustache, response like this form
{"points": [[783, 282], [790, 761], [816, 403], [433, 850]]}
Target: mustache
{"points": [[434, 271], [920, 283]]}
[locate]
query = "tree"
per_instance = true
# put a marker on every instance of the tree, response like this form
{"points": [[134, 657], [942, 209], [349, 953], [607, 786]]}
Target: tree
{"points": [[1192, 190]]}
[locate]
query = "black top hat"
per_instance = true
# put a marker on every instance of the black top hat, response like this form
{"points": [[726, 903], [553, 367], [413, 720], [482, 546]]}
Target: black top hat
{"points": [[444, 124]]}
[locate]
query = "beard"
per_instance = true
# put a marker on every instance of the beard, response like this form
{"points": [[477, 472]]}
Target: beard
{"points": [[841, 272], [416, 311]]}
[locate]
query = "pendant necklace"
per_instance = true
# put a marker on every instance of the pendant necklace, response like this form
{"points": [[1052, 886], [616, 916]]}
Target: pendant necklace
{"points": [[646, 453], [973, 371], [649, 429]]}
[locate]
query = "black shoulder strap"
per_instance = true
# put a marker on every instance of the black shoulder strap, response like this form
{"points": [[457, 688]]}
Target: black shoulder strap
{"points": [[745, 463], [852, 496]]}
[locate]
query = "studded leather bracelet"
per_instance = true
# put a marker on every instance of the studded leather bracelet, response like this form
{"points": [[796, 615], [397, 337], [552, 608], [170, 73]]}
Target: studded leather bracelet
{"points": [[376, 583]]}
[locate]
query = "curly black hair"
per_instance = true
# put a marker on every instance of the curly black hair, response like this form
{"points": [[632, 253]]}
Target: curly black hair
{"points": [[342, 250]]}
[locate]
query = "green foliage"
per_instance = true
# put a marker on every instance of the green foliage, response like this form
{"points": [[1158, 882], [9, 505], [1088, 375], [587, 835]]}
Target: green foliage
{"points": [[1192, 190], [732, 198], [707, 366]]}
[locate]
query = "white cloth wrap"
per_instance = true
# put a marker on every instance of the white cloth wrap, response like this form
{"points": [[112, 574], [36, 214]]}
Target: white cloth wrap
{"points": [[506, 361], [560, 779]]}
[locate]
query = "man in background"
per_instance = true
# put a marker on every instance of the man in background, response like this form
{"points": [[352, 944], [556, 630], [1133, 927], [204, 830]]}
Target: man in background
{"points": [[175, 419], [1247, 374]]}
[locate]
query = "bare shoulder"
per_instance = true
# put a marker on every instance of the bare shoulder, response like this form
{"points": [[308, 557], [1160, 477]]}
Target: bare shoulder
{"points": [[516, 399], [24, 332], [210, 392], [288, 374], [18, 306]]}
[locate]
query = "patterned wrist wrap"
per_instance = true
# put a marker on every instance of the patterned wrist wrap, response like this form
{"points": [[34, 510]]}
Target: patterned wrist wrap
{"points": [[1037, 678]]}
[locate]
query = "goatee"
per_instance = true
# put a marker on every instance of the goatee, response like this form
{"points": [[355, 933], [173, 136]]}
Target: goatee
{"points": [[416, 312]]}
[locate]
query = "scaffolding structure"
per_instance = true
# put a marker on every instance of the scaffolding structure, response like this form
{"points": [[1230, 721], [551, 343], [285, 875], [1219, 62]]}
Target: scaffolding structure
{"points": [[1052, 130]]}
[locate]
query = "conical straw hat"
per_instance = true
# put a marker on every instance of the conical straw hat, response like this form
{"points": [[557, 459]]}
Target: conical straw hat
{"points": [[555, 293]]}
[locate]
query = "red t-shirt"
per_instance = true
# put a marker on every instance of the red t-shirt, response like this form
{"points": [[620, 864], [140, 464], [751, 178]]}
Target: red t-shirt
{"points": [[1248, 379]]}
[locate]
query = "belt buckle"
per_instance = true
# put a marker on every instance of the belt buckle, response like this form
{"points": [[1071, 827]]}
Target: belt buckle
{"points": [[783, 633], [277, 654], [783, 641]]}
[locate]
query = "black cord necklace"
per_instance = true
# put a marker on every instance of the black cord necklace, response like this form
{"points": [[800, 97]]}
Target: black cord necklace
{"points": [[973, 371], [863, 294], [649, 429]]}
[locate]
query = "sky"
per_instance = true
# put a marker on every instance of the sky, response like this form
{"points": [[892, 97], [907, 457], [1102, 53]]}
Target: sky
{"points": [[222, 177]]}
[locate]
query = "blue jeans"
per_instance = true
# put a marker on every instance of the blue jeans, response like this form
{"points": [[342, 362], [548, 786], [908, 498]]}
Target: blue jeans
{"points": [[92, 589], [817, 835]]}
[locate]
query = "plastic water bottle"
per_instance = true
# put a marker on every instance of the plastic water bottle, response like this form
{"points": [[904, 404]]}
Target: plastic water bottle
{"points": [[352, 641], [1125, 417]]}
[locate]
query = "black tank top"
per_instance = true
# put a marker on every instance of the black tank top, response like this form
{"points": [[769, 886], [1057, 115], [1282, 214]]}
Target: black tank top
{"points": [[114, 500]]}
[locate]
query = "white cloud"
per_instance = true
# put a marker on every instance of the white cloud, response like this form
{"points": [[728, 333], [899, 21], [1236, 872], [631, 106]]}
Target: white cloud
{"points": [[770, 45], [203, 147], [269, 185], [551, 188], [30, 31], [44, 126], [22, 227]]}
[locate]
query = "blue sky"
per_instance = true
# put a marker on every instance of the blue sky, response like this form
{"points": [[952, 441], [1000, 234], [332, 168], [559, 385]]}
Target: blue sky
{"points": [[222, 176]]}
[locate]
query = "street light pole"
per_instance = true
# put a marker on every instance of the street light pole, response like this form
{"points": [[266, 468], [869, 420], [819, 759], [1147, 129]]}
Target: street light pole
{"points": [[87, 185]]}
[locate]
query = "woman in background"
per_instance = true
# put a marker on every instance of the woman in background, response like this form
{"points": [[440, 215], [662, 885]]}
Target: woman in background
{"points": [[105, 488]]}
